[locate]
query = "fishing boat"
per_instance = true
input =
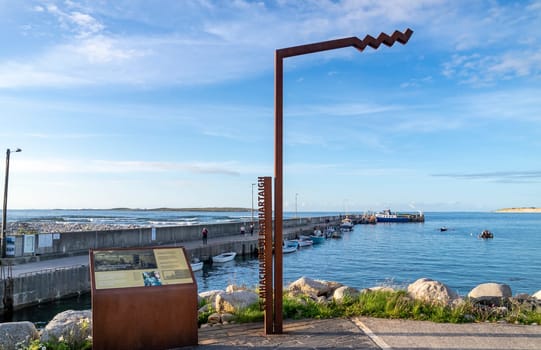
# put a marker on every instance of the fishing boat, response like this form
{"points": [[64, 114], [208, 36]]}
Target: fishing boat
{"points": [[317, 239], [388, 216], [224, 257], [290, 247], [346, 224]]}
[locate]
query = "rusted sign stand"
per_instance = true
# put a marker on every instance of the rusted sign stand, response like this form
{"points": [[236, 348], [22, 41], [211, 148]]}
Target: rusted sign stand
{"points": [[278, 137], [143, 299]]}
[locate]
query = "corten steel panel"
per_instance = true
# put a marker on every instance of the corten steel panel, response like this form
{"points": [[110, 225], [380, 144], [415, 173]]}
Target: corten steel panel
{"points": [[265, 253], [156, 317]]}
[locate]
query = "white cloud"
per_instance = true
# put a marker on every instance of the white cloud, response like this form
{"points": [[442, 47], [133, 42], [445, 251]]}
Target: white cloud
{"points": [[117, 167], [204, 42]]}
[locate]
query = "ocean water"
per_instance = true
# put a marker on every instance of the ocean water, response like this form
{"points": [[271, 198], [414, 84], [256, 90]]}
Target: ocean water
{"points": [[397, 254], [394, 254]]}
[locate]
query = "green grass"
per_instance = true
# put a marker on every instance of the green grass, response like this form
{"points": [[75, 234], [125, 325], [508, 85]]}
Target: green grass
{"points": [[396, 305]]}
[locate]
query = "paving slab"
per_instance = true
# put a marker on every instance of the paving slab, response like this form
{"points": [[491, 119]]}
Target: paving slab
{"points": [[337, 333], [407, 334], [372, 333]]}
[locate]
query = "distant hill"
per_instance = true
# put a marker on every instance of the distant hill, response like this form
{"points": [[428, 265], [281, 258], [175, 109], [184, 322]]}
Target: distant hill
{"points": [[213, 209], [519, 210]]}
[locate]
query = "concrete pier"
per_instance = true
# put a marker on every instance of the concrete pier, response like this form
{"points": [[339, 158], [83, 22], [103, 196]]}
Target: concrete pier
{"points": [[45, 277]]}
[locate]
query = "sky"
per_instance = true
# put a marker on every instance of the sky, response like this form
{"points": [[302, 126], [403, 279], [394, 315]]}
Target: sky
{"points": [[147, 104]]}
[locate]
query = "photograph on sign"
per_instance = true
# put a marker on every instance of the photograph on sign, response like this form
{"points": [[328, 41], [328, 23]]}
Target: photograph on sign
{"points": [[140, 268]]}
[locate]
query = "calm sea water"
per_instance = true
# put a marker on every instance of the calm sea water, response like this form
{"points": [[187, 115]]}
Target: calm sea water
{"points": [[400, 253]]}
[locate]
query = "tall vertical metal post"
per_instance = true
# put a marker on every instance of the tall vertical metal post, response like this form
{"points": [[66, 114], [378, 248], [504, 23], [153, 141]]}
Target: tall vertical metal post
{"points": [[278, 189], [5, 207], [280, 54]]}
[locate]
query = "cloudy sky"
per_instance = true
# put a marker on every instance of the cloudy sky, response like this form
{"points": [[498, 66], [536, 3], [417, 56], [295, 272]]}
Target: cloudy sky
{"points": [[148, 104]]}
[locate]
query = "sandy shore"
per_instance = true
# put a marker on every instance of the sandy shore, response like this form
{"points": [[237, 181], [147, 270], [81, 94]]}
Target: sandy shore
{"points": [[519, 210]]}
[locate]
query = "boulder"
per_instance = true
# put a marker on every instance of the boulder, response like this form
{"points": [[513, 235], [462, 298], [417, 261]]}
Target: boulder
{"points": [[74, 327], [210, 296], [231, 302], [233, 288], [378, 289], [345, 292], [227, 317], [309, 287], [13, 335], [537, 295], [490, 293], [214, 318], [431, 291]]}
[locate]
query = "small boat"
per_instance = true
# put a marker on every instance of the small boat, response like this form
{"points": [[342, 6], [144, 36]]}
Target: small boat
{"points": [[336, 234], [443, 229], [303, 242], [196, 266], [486, 234], [346, 224], [289, 247], [224, 257], [317, 239]]}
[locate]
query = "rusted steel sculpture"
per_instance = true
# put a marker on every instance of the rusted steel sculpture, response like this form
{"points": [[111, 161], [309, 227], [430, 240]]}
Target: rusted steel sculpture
{"points": [[278, 138]]}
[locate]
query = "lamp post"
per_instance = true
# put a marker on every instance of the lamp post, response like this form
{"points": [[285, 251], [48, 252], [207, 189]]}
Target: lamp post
{"points": [[4, 212], [279, 57], [296, 196], [253, 203]]}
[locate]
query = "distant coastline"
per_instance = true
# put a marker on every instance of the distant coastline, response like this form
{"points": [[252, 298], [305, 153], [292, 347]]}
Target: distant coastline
{"points": [[208, 209], [519, 210]]}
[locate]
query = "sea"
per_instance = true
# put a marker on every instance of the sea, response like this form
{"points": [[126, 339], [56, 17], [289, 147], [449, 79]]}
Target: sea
{"points": [[390, 254]]}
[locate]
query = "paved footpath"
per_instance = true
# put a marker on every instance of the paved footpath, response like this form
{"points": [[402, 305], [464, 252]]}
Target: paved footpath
{"points": [[372, 333]]}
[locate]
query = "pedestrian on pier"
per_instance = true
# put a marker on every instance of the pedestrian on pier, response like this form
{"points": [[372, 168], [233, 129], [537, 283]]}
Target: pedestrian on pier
{"points": [[251, 229], [204, 235], [242, 230]]}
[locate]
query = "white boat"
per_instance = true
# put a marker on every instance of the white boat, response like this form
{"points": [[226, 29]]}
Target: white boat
{"points": [[196, 266], [346, 224], [304, 242], [290, 247], [224, 257]]}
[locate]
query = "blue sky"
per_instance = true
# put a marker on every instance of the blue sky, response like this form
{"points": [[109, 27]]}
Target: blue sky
{"points": [[170, 104]]}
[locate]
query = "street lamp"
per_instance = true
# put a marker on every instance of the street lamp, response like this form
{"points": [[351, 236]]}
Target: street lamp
{"points": [[296, 196], [4, 212], [279, 57], [253, 203]]}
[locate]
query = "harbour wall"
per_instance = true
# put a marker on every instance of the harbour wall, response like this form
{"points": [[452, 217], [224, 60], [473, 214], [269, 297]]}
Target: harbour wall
{"points": [[55, 283], [34, 247]]}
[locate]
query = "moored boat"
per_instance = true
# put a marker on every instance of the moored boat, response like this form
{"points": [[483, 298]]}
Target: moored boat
{"points": [[304, 241], [346, 224], [290, 247], [196, 266], [388, 216], [317, 239], [224, 257]]}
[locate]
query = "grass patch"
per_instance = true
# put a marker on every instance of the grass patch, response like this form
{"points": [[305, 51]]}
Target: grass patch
{"points": [[395, 305]]}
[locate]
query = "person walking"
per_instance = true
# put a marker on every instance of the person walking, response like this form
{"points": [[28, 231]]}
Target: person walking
{"points": [[204, 235], [251, 229], [242, 230]]}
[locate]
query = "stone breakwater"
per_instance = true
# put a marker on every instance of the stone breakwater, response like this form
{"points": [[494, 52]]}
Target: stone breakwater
{"points": [[60, 227], [76, 326]]}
